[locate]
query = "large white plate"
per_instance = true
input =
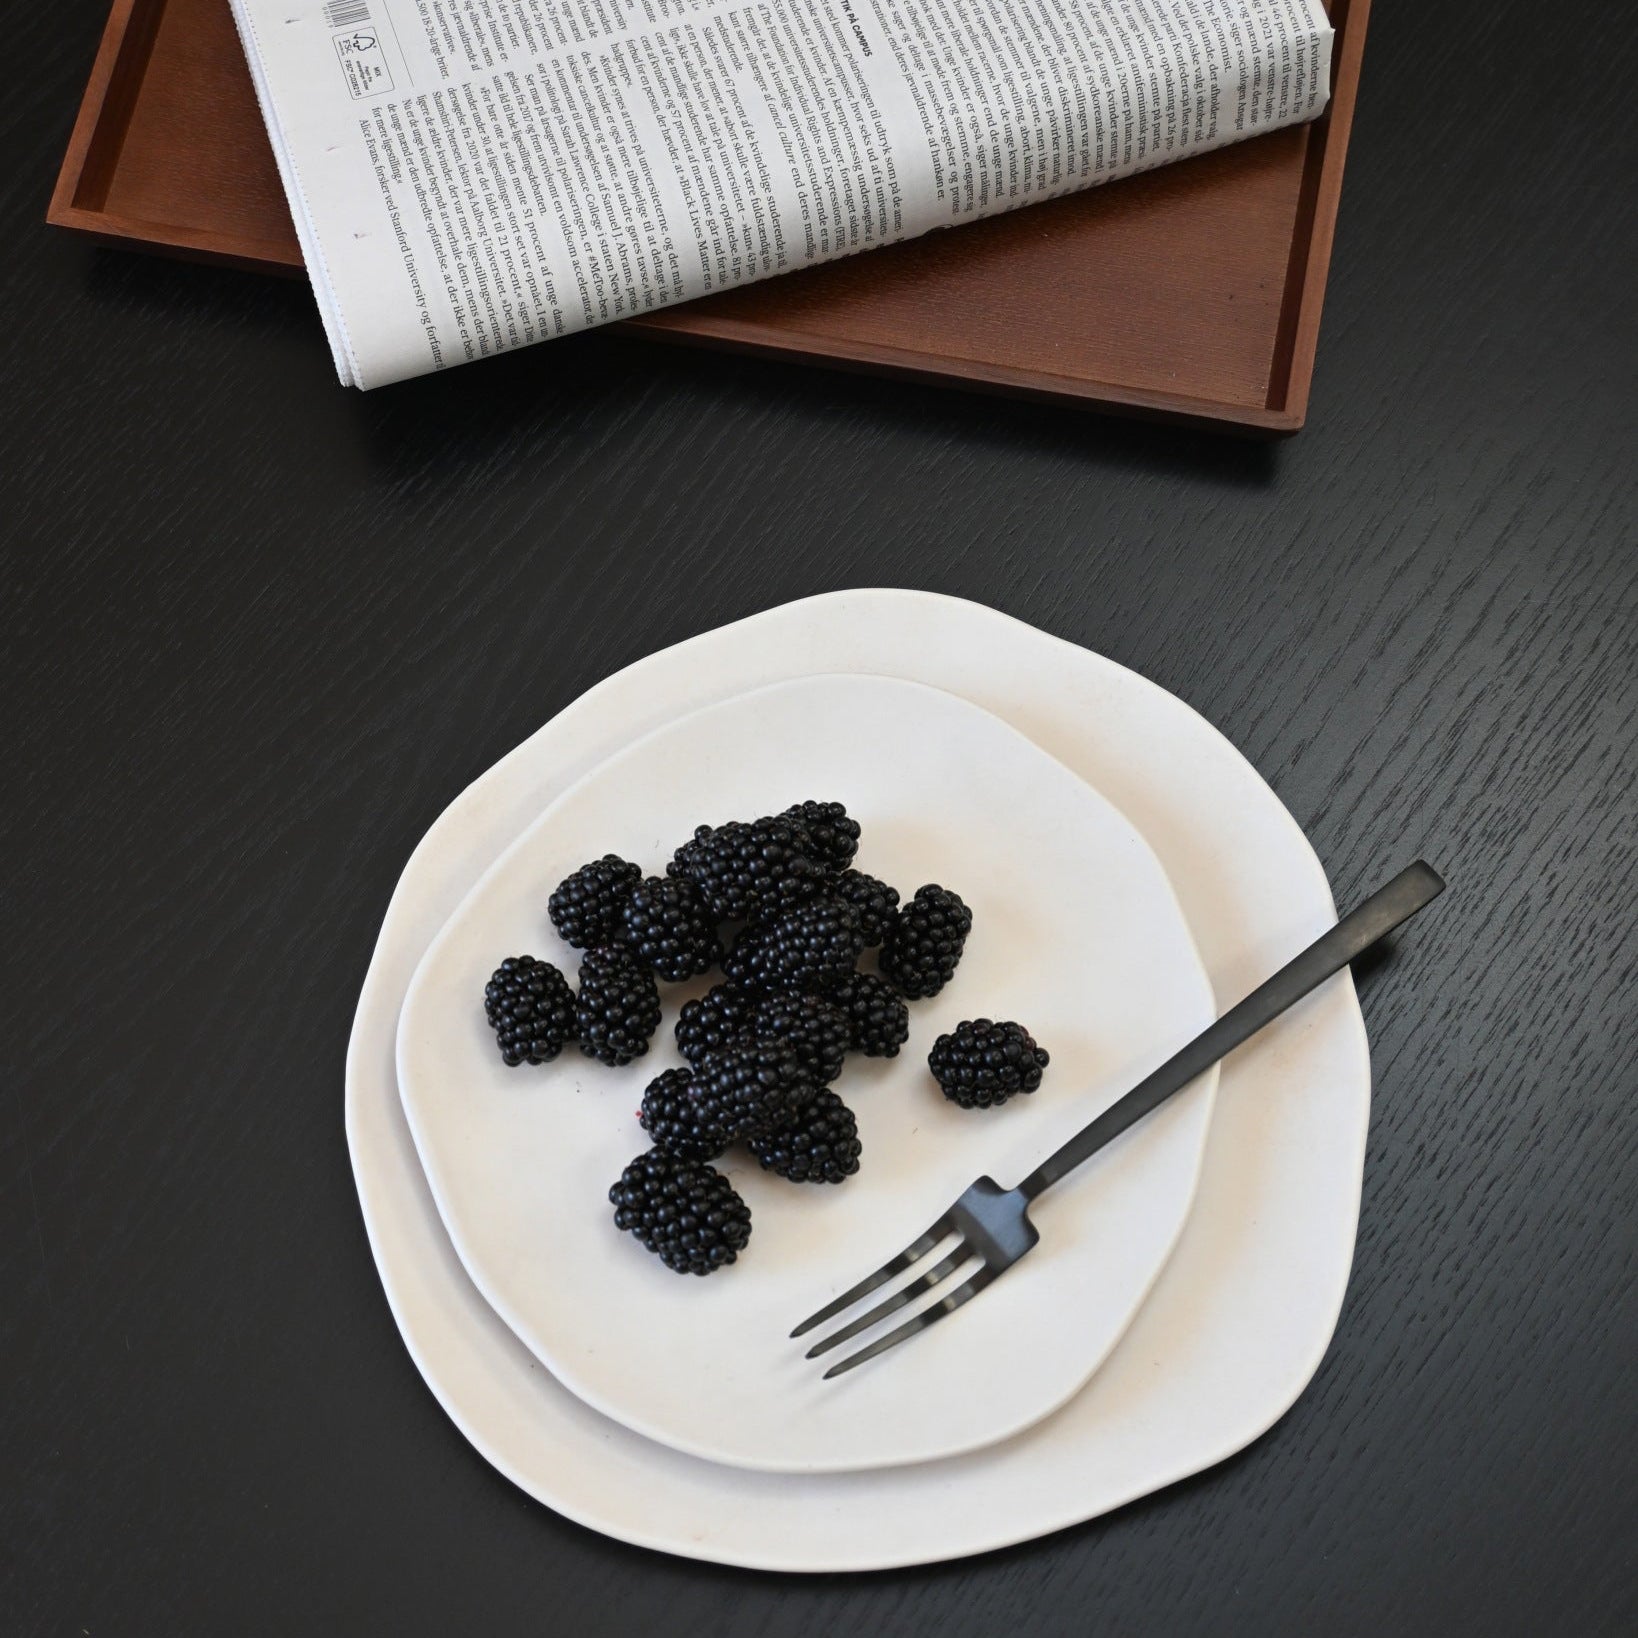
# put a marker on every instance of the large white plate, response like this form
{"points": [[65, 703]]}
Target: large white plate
{"points": [[1237, 1322], [1076, 931]]}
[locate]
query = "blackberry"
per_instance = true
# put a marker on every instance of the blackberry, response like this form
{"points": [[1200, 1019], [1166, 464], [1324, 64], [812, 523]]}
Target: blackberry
{"points": [[981, 1064], [711, 1021], [878, 1020], [751, 1086], [667, 926], [833, 838], [925, 941], [676, 1118], [619, 1007], [816, 1029], [821, 1145], [530, 1007], [683, 1211], [812, 947], [873, 903], [741, 867], [585, 907]]}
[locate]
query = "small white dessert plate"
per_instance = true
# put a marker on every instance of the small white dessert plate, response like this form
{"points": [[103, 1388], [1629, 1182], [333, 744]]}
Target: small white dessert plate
{"points": [[1077, 934]]}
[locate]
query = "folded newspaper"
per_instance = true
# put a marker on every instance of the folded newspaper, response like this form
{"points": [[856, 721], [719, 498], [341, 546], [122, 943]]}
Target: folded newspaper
{"points": [[469, 176]]}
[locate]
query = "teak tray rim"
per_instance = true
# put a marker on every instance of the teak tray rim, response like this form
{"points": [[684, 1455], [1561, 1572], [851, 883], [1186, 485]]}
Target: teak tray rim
{"points": [[78, 203]]}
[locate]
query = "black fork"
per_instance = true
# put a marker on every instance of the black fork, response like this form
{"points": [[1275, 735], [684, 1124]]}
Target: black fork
{"points": [[991, 1225]]}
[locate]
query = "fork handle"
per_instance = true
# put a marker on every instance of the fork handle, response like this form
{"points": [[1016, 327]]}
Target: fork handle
{"points": [[1387, 908]]}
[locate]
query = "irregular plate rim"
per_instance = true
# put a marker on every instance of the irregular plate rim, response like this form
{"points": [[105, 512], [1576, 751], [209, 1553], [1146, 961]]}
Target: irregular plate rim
{"points": [[1204, 1091], [830, 610]]}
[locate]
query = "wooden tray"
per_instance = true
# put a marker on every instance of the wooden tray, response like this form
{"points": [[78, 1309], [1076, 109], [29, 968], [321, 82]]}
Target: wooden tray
{"points": [[1190, 293]]}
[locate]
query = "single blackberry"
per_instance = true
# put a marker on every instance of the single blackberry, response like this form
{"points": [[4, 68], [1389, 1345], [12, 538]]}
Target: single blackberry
{"points": [[619, 1007], [585, 907], [833, 838], [751, 1086], [821, 1145], [683, 1211], [741, 867], [530, 1007], [812, 947], [711, 1021], [817, 1029], [675, 1117], [666, 925], [981, 1064], [878, 1020], [925, 941], [873, 903]]}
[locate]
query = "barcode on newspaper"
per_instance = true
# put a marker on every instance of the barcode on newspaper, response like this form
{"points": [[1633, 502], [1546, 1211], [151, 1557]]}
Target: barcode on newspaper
{"points": [[346, 13]]}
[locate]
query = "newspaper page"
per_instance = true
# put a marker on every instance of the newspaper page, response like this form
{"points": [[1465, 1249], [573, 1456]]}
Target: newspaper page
{"points": [[469, 176]]}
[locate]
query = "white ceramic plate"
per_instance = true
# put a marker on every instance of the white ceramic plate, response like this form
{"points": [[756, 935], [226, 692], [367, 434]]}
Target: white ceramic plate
{"points": [[1076, 931], [1240, 1317]]}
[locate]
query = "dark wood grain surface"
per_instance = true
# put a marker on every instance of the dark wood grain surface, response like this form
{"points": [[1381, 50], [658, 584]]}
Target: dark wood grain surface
{"points": [[258, 631]]}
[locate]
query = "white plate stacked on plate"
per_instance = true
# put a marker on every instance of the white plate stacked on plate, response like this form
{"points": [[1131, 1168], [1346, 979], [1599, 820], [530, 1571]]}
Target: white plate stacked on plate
{"points": [[1241, 1312], [1076, 930]]}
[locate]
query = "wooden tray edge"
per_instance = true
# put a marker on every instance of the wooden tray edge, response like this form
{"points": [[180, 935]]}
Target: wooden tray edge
{"points": [[1309, 271], [121, 43], [995, 380]]}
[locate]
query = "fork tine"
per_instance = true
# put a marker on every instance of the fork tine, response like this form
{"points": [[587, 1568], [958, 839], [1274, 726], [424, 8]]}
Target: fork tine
{"points": [[928, 1316], [934, 1276], [912, 1253]]}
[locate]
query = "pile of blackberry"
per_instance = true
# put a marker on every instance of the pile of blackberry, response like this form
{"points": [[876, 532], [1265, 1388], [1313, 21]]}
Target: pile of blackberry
{"points": [[776, 904]]}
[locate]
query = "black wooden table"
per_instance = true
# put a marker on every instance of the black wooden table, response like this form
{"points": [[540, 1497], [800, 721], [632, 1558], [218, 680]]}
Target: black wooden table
{"points": [[258, 631]]}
